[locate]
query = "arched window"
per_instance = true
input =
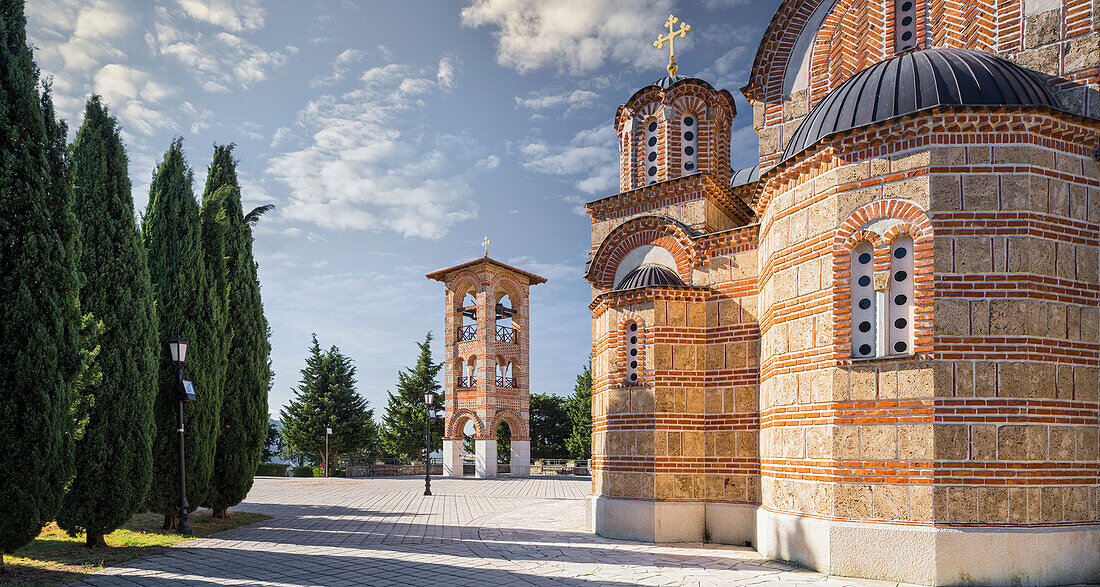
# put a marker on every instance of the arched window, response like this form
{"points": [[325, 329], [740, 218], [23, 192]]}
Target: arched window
{"points": [[633, 354], [689, 143], [505, 373], [468, 329], [900, 299], [905, 25], [650, 137], [505, 322], [864, 324], [469, 373]]}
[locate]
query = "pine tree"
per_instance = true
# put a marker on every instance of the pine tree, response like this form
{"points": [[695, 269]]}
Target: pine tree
{"points": [[114, 454], [579, 443], [244, 413], [403, 425], [186, 304], [39, 287], [551, 425], [326, 398]]}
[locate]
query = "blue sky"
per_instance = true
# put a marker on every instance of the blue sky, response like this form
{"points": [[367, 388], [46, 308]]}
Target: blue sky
{"points": [[393, 137]]}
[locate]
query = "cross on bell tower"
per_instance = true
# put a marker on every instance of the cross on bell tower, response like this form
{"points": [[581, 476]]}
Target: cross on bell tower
{"points": [[487, 350]]}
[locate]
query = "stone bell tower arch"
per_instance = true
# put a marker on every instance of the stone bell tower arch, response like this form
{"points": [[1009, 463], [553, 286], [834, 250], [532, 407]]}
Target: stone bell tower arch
{"points": [[486, 362]]}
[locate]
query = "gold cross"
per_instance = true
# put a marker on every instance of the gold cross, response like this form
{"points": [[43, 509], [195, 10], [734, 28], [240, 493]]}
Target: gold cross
{"points": [[670, 37], [485, 243]]}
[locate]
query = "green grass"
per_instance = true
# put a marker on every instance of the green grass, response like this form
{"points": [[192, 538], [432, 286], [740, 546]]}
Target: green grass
{"points": [[55, 557]]}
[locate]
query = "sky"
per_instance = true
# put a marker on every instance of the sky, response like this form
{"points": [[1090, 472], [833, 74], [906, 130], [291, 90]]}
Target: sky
{"points": [[392, 138]]}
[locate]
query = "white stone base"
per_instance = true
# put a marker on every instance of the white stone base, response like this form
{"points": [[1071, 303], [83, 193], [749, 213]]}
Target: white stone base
{"points": [[521, 458], [650, 521], [452, 458], [486, 467], [888, 552], [941, 556]]}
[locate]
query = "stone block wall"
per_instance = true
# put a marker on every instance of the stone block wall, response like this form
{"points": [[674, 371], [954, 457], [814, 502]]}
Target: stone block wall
{"points": [[994, 419]]}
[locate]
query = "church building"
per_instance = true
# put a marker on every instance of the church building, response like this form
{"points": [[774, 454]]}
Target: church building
{"points": [[876, 353]]}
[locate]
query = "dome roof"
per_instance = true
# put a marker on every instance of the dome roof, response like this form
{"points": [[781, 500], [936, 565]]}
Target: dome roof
{"points": [[916, 81], [745, 176], [650, 274]]}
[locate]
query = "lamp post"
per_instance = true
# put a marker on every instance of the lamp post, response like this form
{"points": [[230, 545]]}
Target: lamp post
{"points": [[177, 347], [429, 397], [328, 431]]}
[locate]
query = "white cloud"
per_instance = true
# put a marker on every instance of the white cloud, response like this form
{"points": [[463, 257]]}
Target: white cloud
{"points": [[134, 95], [361, 160], [231, 15], [571, 101], [221, 61], [445, 74], [341, 66], [571, 35], [591, 157]]}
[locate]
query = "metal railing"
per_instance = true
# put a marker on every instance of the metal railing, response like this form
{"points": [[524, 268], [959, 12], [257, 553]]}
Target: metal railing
{"points": [[467, 332], [506, 334], [506, 381], [467, 381]]}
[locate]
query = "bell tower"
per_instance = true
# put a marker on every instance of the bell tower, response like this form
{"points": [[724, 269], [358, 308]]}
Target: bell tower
{"points": [[486, 366]]}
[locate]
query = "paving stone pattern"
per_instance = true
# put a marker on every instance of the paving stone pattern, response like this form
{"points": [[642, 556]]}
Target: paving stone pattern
{"points": [[336, 532]]}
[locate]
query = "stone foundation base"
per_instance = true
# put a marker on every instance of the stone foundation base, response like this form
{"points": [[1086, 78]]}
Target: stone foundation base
{"points": [[656, 521], [889, 552]]}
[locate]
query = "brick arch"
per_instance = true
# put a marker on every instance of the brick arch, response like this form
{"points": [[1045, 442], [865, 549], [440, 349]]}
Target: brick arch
{"points": [[645, 230], [773, 55], [510, 287], [852, 37], [619, 343], [652, 112], [915, 223], [516, 424], [457, 422], [464, 283]]}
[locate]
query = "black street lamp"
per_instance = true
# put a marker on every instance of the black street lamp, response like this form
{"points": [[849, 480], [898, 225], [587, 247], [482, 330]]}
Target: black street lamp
{"points": [[178, 349], [429, 397]]}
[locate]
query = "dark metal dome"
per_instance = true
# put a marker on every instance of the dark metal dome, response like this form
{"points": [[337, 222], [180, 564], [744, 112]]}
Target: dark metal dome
{"points": [[916, 81], [650, 274]]}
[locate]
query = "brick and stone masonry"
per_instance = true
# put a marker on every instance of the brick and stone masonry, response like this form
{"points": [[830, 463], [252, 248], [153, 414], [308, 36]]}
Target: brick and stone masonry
{"points": [[974, 455], [486, 377]]}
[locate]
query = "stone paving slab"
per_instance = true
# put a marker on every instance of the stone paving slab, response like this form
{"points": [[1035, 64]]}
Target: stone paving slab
{"points": [[337, 532]]}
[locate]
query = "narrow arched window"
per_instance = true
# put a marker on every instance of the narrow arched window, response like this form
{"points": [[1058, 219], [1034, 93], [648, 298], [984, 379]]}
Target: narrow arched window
{"points": [[650, 136], [864, 325], [633, 354], [900, 299], [905, 25], [689, 143]]}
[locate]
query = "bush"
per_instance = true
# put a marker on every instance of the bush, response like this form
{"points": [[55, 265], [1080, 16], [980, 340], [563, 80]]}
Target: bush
{"points": [[335, 472], [271, 470], [302, 471]]}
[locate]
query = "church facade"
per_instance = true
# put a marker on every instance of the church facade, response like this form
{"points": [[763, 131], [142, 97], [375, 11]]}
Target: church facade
{"points": [[876, 353]]}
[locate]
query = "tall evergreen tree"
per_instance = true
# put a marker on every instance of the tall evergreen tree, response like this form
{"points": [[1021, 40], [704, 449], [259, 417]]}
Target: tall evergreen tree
{"points": [[186, 304], [326, 398], [244, 413], [579, 442], [114, 455], [39, 288], [403, 425], [551, 425]]}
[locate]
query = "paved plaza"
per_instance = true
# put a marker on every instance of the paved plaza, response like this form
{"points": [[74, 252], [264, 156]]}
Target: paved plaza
{"points": [[336, 532]]}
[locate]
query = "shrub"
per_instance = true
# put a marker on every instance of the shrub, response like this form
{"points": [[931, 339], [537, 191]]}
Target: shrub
{"points": [[335, 472], [271, 470], [302, 472]]}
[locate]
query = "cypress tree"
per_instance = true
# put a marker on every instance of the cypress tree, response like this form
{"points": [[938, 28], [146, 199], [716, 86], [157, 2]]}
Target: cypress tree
{"points": [[244, 415], [186, 304], [579, 443], [403, 424], [326, 398], [114, 454], [39, 287]]}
